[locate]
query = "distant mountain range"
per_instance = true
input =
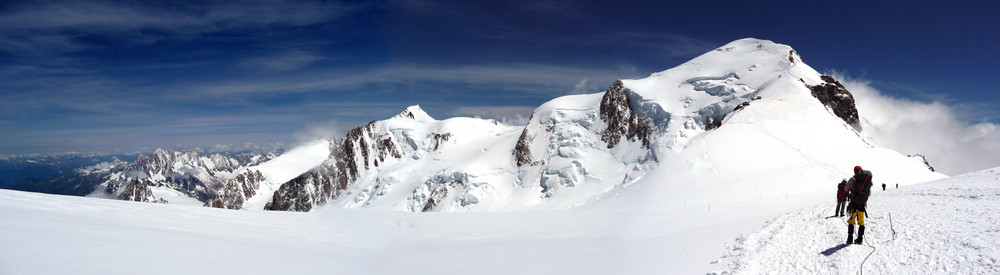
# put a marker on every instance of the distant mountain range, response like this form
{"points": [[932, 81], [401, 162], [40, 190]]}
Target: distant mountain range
{"points": [[21, 172], [105, 175]]}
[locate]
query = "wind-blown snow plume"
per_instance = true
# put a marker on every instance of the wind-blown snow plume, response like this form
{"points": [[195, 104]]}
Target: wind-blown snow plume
{"points": [[315, 131], [508, 115]]}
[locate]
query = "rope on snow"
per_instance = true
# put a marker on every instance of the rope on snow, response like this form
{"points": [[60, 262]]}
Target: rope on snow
{"points": [[861, 267]]}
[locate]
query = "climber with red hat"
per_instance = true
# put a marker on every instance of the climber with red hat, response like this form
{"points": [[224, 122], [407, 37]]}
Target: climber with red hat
{"points": [[858, 189]]}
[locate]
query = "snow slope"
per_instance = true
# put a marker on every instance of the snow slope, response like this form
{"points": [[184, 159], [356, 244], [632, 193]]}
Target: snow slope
{"points": [[943, 226], [948, 226]]}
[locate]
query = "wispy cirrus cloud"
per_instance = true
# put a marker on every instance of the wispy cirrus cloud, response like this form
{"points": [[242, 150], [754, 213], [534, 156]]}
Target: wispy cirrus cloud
{"points": [[61, 26], [283, 61], [530, 78]]}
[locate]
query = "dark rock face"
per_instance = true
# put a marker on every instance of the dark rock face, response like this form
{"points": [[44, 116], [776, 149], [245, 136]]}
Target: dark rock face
{"points": [[138, 190], [236, 191], [837, 98], [622, 122], [295, 194], [361, 145], [522, 150]]}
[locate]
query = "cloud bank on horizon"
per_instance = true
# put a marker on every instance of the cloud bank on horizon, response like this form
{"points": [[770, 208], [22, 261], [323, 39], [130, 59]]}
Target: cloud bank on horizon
{"points": [[933, 129]]}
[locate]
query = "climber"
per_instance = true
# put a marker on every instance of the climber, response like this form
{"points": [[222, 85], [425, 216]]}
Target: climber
{"points": [[883, 187], [841, 198], [858, 190]]}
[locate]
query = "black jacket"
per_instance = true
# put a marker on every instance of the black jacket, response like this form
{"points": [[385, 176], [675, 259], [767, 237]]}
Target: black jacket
{"points": [[859, 188]]}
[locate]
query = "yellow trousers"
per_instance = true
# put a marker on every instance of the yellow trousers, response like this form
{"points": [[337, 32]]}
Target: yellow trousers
{"points": [[860, 216]]}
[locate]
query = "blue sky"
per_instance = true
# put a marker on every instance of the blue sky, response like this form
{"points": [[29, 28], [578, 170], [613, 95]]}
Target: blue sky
{"points": [[100, 76]]}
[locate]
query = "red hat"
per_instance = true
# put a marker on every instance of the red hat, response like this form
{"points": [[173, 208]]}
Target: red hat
{"points": [[857, 169]]}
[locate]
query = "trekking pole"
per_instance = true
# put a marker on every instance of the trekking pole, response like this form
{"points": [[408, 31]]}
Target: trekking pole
{"points": [[892, 229]]}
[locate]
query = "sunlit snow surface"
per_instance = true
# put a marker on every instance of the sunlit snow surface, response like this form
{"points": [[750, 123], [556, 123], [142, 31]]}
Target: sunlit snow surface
{"points": [[942, 226], [949, 226]]}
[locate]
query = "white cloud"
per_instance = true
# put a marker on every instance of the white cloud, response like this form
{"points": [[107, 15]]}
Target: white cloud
{"points": [[935, 130], [583, 87]]}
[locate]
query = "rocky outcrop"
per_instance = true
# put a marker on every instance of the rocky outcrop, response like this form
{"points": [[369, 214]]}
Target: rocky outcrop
{"points": [[436, 197], [440, 138], [307, 190], [838, 99], [442, 191], [924, 159], [744, 104], [622, 122], [522, 150], [138, 190], [793, 56], [236, 191], [711, 123], [360, 150]]}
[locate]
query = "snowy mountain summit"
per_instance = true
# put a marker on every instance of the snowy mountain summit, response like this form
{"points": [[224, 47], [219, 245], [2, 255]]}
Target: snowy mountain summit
{"points": [[746, 113]]}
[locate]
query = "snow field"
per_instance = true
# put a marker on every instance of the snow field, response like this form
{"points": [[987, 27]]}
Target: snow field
{"points": [[947, 226]]}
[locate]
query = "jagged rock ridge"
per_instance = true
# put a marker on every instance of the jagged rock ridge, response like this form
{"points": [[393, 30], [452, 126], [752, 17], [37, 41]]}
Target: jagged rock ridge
{"points": [[835, 96], [334, 176], [622, 122], [924, 159]]}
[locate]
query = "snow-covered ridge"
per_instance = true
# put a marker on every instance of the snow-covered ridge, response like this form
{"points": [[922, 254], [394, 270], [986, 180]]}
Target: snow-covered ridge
{"points": [[755, 98], [652, 176], [730, 116]]}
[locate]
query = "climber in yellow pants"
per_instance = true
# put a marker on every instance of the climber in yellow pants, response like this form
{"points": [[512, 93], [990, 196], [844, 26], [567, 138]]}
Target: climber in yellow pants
{"points": [[859, 188], [858, 215]]}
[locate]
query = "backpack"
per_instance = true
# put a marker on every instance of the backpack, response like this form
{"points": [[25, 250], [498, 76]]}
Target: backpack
{"points": [[862, 188], [842, 191]]}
